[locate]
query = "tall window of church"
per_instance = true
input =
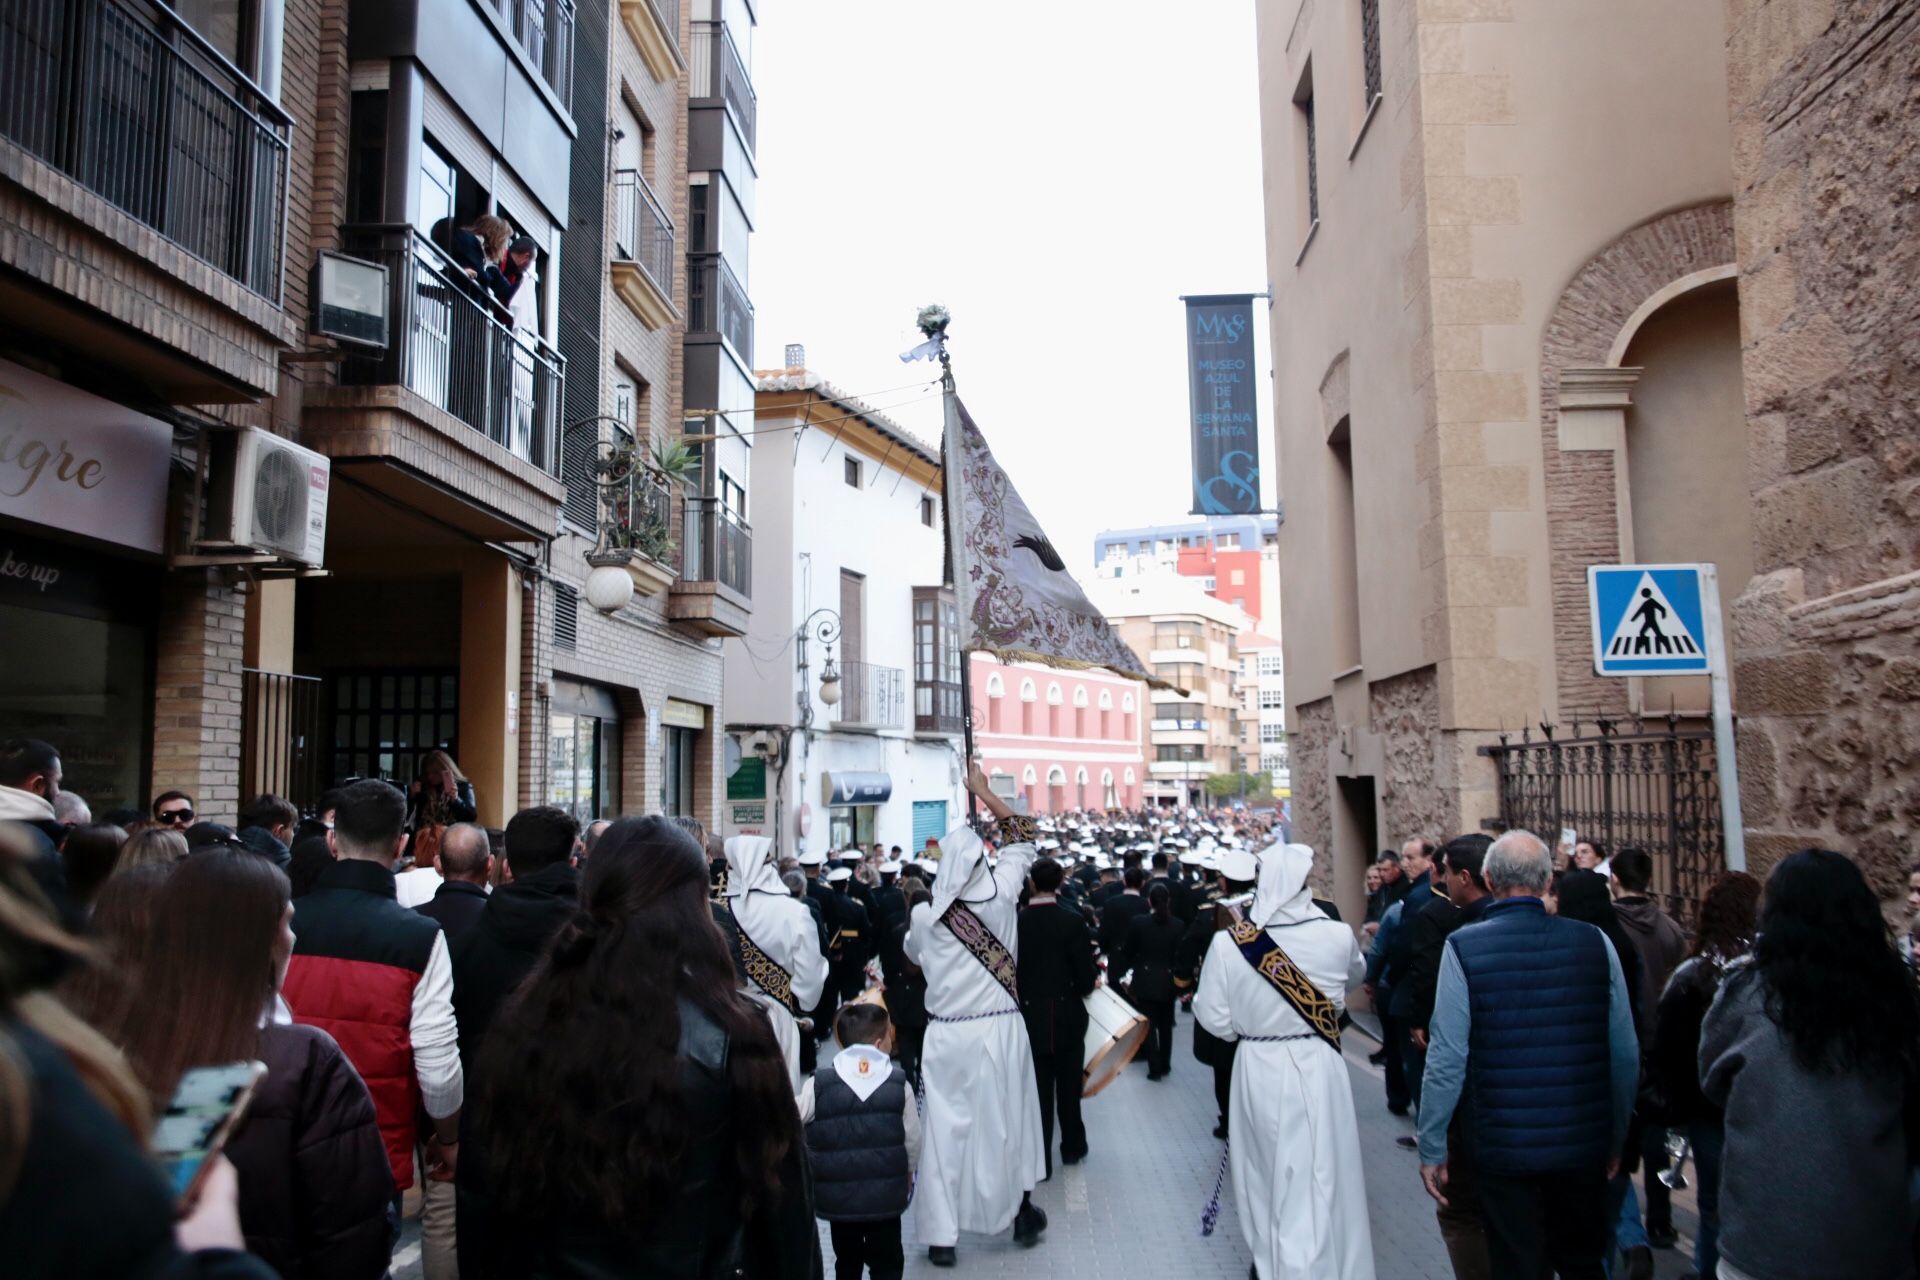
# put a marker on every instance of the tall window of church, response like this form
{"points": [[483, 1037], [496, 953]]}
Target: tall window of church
{"points": [[1343, 554]]}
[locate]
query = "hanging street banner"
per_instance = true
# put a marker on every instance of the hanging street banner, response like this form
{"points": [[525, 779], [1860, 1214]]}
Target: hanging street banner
{"points": [[1221, 387], [1016, 599]]}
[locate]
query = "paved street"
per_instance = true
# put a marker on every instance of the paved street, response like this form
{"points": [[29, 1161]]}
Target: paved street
{"points": [[1133, 1207]]}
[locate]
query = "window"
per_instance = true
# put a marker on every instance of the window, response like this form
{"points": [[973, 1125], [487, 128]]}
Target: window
{"points": [[1271, 732], [1270, 664], [1228, 542], [1370, 50], [926, 512], [851, 471], [676, 781], [1273, 699], [1343, 537], [936, 663], [1179, 753], [384, 721], [1306, 169]]}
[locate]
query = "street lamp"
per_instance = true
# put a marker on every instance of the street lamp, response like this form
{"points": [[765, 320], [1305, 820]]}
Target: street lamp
{"points": [[823, 624]]}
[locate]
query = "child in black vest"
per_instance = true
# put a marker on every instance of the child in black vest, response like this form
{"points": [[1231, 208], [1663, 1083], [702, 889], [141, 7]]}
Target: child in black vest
{"points": [[863, 1139]]}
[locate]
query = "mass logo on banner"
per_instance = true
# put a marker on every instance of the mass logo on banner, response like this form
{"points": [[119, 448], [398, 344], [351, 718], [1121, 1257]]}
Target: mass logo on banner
{"points": [[1647, 620]]}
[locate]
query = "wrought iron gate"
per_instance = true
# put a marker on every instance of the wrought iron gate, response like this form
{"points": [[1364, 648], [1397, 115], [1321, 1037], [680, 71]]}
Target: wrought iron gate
{"points": [[1644, 784]]}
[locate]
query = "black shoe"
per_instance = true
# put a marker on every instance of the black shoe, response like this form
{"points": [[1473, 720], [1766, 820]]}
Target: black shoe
{"points": [[942, 1255], [1028, 1224], [1073, 1158], [1220, 1130], [1399, 1110], [1378, 1058], [1158, 1075], [1639, 1263], [1410, 1143], [1662, 1237]]}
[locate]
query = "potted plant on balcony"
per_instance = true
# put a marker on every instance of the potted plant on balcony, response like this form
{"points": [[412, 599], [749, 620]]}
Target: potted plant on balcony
{"points": [[637, 534]]}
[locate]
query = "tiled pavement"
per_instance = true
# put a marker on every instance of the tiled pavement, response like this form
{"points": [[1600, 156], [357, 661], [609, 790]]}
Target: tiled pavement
{"points": [[1132, 1209]]}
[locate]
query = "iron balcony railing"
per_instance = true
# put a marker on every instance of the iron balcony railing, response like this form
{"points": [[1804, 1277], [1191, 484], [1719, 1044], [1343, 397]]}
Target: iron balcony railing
{"points": [[871, 697], [642, 231], [544, 29], [719, 546], [716, 70], [639, 512], [280, 746], [448, 343], [717, 303], [132, 104]]}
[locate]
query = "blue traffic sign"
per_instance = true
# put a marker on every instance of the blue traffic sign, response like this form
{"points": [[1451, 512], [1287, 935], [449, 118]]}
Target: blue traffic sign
{"points": [[1648, 619]]}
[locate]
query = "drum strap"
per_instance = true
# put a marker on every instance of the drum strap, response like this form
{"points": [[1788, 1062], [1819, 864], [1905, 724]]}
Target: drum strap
{"points": [[766, 972], [980, 943], [1259, 949]]}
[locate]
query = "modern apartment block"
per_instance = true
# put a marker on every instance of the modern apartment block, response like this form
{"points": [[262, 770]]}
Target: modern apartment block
{"points": [[339, 499], [1263, 711], [1187, 638], [1236, 559]]}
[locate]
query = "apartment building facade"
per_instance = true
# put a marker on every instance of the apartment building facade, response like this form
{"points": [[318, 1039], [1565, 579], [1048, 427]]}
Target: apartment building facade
{"points": [[1187, 638], [1236, 559], [282, 160], [1263, 711], [1054, 740], [845, 692]]}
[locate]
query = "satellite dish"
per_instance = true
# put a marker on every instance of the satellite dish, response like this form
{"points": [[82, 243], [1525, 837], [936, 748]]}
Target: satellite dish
{"points": [[733, 755]]}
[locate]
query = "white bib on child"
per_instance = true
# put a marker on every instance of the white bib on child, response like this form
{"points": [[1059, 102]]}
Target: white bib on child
{"points": [[864, 1068]]}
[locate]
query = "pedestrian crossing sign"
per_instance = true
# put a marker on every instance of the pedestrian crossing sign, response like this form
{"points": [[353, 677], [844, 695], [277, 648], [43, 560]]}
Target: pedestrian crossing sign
{"points": [[1649, 619]]}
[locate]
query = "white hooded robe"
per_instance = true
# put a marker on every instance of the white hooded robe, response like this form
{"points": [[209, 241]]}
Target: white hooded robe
{"points": [[781, 926]]}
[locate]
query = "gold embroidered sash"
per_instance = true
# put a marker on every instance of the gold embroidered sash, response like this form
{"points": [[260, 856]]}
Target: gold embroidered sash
{"points": [[1295, 987]]}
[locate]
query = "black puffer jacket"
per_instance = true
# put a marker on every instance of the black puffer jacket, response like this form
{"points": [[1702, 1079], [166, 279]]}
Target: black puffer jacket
{"points": [[87, 1203], [699, 1235], [314, 1180]]}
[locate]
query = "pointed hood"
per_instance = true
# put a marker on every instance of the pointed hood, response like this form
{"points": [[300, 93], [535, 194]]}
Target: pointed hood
{"points": [[1282, 895], [750, 867], [963, 868]]}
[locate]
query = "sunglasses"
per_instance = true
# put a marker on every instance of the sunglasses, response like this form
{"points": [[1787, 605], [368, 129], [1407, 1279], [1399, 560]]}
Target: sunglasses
{"points": [[177, 815]]}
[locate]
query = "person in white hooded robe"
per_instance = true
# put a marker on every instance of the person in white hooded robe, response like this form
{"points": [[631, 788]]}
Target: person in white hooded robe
{"points": [[982, 1153], [1295, 1150], [781, 928]]}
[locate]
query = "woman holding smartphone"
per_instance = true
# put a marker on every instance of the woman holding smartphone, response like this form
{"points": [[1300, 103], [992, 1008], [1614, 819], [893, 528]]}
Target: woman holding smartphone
{"points": [[315, 1185]]}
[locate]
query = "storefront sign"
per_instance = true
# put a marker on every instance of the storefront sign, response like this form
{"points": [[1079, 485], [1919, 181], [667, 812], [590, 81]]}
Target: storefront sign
{"points": [[74, 461], [856, 788], [749, 819], [684, 715], [749, 781]]}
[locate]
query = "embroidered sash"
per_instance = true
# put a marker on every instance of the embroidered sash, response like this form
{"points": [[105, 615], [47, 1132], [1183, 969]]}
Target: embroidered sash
{"points": [[767, 973], [983, 946], [1259, 949]]}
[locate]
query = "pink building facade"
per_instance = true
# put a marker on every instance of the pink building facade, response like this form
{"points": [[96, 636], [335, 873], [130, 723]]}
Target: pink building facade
{"points": [[1060, 740]]}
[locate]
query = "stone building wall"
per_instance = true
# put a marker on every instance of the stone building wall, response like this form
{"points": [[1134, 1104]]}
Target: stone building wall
{"points": [[1308, 747], [1826, 638], [1404, 714]]}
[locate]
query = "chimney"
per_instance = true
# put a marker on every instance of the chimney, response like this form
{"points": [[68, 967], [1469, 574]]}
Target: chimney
{"points": [[796, 356]]}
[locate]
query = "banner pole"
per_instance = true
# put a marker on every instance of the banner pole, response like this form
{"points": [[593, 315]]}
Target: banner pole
{"points": [[966, 655]]}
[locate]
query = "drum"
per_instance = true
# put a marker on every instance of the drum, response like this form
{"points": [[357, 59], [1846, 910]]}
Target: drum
{"points": [[1115, 1032]]}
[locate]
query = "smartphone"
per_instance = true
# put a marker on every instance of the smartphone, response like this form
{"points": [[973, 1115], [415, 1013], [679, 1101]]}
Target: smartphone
{"points": [[207, 1106]]}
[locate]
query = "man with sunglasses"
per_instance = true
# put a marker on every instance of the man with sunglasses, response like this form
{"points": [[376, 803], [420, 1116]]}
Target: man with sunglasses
{"points": [[173, 810]]}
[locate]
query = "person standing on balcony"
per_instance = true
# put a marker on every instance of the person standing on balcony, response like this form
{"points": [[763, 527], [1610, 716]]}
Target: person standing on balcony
{"points": [[523, 304]]}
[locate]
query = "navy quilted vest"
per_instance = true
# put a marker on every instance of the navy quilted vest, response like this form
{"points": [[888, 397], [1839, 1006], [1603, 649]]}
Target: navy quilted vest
{"points": [[1539, 1095], [858, 1149]]}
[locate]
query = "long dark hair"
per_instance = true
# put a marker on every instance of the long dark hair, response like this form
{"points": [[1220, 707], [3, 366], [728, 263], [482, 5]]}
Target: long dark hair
{"points": [[1728, 911], [1160, 901], [580, 1077], [1834, 985], [207, 970], [100, 989]]}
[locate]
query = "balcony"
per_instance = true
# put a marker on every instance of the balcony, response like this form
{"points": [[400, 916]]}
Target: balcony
{"points": [[717, 303], [655, 28], [544, 29], [453, 374], [643, 249], [715, 590], [871, 697], [938, 707], [716, 70]]}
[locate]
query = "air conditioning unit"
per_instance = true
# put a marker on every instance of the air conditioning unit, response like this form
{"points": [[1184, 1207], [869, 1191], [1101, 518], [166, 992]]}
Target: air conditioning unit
{"points": [[265, 495]]}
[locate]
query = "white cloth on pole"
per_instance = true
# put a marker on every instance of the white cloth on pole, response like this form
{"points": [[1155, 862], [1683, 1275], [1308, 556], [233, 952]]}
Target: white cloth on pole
{"points": [[982, 1149], [1295, 1151]]}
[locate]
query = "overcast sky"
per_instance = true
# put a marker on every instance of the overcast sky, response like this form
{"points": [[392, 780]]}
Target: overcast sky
{"points": [[1057, 173]]}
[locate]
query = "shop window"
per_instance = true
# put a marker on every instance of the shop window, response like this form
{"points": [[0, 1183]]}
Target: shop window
{"points": [[676, 783], [384, 721], [583, 751]]}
